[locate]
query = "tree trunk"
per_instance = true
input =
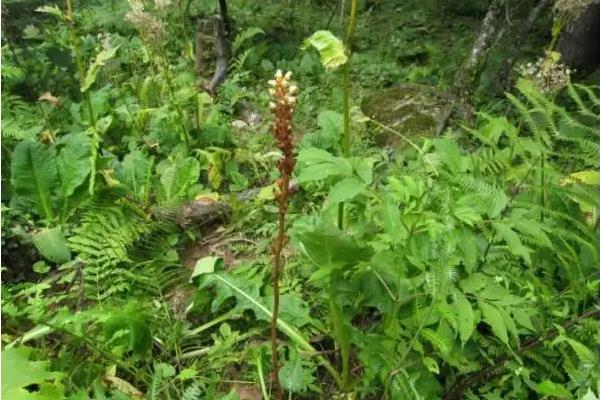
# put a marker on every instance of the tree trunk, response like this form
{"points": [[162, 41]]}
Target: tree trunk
{"points": [[222, 54], [503, 82], [578, 43], [461, 94]]}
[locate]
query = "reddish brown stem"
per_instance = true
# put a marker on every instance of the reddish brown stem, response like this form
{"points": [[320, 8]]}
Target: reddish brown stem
{"points": [[284, 95]]}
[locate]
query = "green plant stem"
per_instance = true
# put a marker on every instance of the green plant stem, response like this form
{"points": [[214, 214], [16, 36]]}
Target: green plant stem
{"points": [[224, 317], [165, 72], [278, 246], [346, 140], [75, 47], [341, 336], [261, 377]]}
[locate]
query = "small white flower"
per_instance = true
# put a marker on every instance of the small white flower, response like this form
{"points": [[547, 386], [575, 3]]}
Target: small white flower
{"points": [[278, 74]]}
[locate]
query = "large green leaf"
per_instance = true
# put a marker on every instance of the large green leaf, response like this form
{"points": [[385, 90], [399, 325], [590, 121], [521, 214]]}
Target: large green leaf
{"points": [[515, 246], [344, 190], [326, 248], [19, 373], [51, 244], [73, 161], [316, 164], [464, 316], [34, 175], [493, 317], [179, 177], [128, 330], [135, 172], [330, 48]]}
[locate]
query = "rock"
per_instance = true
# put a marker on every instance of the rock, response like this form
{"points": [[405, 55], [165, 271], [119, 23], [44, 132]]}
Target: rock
{"points": [[239, 124], [412, 110], [578, 43], [248, 113]]}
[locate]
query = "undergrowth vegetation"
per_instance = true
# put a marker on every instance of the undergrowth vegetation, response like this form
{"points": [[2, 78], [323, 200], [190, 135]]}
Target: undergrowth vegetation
{"points": [[150, 222]]}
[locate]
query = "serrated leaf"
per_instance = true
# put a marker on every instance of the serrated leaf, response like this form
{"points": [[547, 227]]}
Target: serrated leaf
{"points": [[515, 246], [583, 352], [344, 190], [330, 48], [494, 319], [553, 389], [467, 214], [296, 374], [464, 316], [52, 245], [101, 59]]}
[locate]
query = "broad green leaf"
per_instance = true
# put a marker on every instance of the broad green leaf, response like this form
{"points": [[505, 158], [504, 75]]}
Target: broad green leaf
{"points": [[206, 265], [135, 172], [330, 48], [363, 168], [464, 316], [553, 389], [316, 164], [332, 248], [128, 330], [523, 319], [179, 178], [18, 373], [51, 244], [34, 175], [101, 59], [73, 161], [331, 124], [493, 317], [449, 152], [515, 246], [344, 190]]}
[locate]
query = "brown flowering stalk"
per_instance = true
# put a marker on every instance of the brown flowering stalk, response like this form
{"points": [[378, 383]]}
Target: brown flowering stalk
{"points": [[284, 96]]}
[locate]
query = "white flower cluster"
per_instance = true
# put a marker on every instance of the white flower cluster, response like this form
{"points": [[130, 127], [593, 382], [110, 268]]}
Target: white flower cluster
{"points": [[280, 88], [151, 28], [547, 73]]}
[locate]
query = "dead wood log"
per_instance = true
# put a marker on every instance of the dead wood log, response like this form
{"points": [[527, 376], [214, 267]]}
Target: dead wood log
{"points": [[206, 211]]}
